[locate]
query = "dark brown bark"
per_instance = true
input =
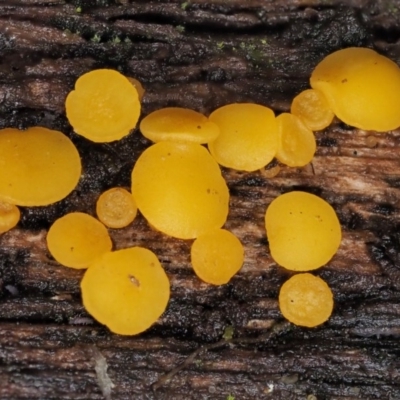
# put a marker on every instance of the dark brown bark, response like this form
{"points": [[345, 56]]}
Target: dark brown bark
{"points": [[203, 54]]}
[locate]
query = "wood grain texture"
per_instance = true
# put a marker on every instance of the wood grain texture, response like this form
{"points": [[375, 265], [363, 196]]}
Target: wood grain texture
{"points": [[203, 54]]}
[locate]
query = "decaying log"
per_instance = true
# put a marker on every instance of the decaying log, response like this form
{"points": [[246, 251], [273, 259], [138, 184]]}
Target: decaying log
{"points": [[203, 54]]}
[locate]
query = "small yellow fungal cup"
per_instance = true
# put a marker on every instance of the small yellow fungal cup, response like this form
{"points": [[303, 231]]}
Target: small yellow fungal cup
{"points": [[9, 216], [297, 143], [116, 208], [306, 300], [178, 125], [77, 239], [313, 109], [138, 86], [217, 256]]}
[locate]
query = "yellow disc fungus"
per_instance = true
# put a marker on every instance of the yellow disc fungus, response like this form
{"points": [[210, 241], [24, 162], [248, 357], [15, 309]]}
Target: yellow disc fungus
{"points": [[296, 142], [126, 290], [270, 172], [303, 231], [104, 106], [178, 125], [179, 189], [371, 141], [216, 256], [361, 87], [77, 239], [9, 216], [248, 138], [313, 109], [306, 300], [38, 166], [116, 208], [138, 86]]}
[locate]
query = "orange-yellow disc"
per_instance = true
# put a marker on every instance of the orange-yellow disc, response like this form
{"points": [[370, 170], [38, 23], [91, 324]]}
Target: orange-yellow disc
{"points": [[77, 239], [216, 256], [179, 189], [297, 143], [178, 125], [116, 208], [126, 290], [303, 231], [38, 166], [104, 106], [306, 300], [361, 87], [9, 216], [313, 109], [248, 138]]}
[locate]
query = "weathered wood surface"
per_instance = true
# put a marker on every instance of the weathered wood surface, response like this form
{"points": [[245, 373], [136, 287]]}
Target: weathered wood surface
{"points": [[203, 54]]}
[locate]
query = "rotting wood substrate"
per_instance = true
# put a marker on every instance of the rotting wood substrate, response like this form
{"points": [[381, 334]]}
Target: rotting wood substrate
{"points": [[203, 54]]}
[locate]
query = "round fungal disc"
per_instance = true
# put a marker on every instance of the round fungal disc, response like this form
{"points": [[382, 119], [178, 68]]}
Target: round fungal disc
{"points": [[313, 109], [9, 216], [217, 256], [104, 106], [179, 189], [306, 300], [178, 125], [116, 208], [77, 239], [297, 143], [303, 231], [361, 87], [126, 290], [38, 166], [248, 138]]}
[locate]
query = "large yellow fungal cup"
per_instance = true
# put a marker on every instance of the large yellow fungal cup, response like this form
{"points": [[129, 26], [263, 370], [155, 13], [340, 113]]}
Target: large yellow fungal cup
{"points": [[248, 138], [38, 166], [179, 189], [303, 231], [127, 290], [362, 88]]}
